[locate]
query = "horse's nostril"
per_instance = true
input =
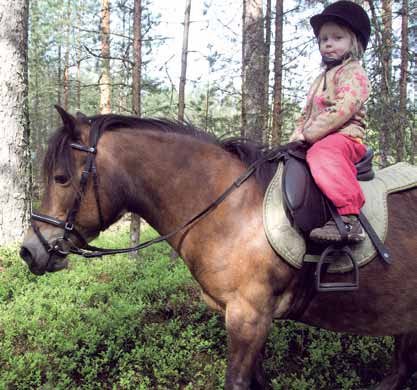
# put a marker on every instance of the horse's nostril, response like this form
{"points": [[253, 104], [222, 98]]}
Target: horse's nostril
{"points": [[26, 255]]}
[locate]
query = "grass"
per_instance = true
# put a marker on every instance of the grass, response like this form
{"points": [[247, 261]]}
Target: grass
{"points": [[119, 323]]}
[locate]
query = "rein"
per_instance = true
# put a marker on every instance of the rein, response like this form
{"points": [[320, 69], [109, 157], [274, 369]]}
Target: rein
{"points": [[58, 246]]}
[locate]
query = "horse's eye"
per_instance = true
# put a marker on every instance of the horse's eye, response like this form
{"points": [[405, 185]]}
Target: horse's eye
{"points": [[60, 179]]}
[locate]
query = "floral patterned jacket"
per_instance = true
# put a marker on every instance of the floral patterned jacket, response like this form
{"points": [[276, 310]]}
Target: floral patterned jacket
{"points": [[335, 103]]}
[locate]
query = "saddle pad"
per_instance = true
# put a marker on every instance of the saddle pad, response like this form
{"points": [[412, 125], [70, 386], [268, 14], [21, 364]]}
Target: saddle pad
{"points": [[289, 242]]}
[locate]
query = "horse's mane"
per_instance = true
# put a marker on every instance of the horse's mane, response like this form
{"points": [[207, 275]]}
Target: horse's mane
{"points": [[59, 154]]}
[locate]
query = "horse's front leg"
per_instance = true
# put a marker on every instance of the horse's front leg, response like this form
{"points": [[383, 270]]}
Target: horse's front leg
{"points": [[247, 328]]}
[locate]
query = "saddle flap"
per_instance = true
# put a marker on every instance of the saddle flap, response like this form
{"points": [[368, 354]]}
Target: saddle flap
{"points": [[295, 183], [302, 197]]}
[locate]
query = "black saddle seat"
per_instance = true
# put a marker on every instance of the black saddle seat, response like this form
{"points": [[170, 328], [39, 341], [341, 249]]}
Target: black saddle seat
{"points": [[364, 166]]}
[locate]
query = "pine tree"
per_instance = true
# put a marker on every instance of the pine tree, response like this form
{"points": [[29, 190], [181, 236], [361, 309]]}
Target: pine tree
{"points": [[15, 180], [136, 101], [253, 70]]}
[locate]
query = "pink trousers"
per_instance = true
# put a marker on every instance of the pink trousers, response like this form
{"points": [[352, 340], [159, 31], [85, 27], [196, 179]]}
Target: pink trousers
{"points": [[332, 163]]}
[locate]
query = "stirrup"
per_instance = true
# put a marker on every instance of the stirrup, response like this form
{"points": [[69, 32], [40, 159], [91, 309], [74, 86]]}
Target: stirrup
{"points": [[337, 286]]}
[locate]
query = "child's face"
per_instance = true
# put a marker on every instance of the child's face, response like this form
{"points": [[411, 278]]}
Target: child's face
{"points": [[334, 41]]}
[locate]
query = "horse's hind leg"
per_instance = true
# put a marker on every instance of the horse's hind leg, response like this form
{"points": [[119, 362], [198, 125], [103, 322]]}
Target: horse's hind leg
{"points": [[405, 363], [247, 330]]}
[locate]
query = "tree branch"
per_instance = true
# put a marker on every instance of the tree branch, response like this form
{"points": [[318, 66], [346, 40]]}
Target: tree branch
{"points": [[107, 57]]}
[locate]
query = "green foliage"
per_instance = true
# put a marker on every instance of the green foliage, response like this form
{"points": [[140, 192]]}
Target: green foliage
{"points": [[302, 357], [117, 323], [214, 110], [113, 323]]}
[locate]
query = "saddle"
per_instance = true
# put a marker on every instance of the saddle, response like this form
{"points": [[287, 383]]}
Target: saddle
{"points": [[306, 203], [309, 209]]}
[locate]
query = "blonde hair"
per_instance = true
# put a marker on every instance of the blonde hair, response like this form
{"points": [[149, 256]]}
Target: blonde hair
{"points": [[356, 48]]}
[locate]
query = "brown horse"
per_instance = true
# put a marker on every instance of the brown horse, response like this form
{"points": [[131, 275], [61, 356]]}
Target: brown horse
{"points": [[167, 173]]}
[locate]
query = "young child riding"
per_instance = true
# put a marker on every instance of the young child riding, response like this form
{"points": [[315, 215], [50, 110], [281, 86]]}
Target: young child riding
{"points": [[332, 122]]}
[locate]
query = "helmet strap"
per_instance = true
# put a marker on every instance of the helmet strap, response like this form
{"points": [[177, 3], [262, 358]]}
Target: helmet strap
{"points": [[331, 62]]}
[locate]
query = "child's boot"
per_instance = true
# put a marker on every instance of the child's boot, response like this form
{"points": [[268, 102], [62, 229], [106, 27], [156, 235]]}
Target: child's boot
{"points": [[330, 233]]}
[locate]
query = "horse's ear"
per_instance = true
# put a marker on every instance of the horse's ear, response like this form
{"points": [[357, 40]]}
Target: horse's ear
{"points": [[68, 121], [82, 118]]}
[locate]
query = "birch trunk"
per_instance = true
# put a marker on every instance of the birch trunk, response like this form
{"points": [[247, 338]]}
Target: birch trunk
{"points": [[15, 178]]}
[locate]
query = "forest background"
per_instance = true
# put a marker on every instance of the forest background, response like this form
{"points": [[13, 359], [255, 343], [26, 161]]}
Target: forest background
{"points": [[243, 68], [231, 68], [80, 56]]}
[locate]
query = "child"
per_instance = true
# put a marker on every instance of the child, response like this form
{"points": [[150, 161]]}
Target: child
{"points": [[333, 119]]}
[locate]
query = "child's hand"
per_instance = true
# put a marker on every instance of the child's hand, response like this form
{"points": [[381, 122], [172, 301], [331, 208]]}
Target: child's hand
{"points": [[297, 137]]}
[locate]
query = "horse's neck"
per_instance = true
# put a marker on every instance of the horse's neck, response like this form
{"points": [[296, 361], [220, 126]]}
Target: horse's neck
{"points": [[172, 177]]}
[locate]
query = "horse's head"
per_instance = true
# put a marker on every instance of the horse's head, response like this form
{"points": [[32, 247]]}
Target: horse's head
{"points": [[73, 206]]}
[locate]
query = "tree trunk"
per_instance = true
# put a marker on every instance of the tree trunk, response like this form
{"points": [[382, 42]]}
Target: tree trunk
{"points": [[184, 55], [122, 104], [403, 83], [413, 148], [37, 127], [137, 58], [136, 101], [385, 51], [15, 179], [78, 86], [253, 70], [277, 105], [265, 107], [386, 84], [207, 110], [183, 77], [105, 92], [67, 55], [384, 111], [59, 80]]}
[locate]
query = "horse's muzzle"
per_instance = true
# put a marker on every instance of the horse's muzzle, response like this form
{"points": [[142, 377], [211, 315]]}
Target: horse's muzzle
{"points": [[53, 264], [26, 255]]}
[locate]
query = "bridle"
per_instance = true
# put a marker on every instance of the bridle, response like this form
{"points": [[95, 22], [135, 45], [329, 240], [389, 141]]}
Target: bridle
{"points": [[59, 245]]}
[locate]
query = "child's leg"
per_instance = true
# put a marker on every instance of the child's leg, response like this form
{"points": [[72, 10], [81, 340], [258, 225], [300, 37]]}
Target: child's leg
{"points": [[332, 164]]}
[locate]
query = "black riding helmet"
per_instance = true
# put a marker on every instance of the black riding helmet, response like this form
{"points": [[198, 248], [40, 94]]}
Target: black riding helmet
{"points": [[346, 13]]}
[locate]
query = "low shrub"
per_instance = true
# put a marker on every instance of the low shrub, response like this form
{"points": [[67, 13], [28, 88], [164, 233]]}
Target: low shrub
{"points": [[119, 323]]}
